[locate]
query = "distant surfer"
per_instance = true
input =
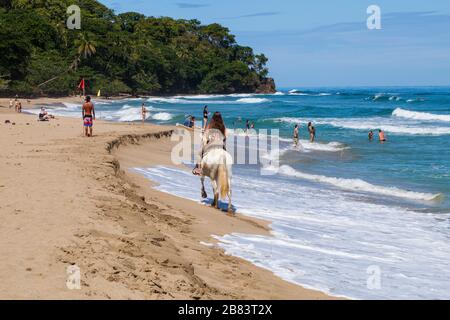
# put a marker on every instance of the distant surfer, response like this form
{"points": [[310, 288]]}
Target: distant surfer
{"points": [[382, 136]]}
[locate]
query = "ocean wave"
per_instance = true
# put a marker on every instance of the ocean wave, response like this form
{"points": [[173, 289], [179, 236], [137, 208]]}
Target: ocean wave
{"points": [[180, 100], [162, 116], [416, 115], [253, 100], [415, 100], [373, 124], [311, 94], [126, 115], [72, 106], [326, 147], [358, 185], [385, 97], [333, 146], [215, 96]]}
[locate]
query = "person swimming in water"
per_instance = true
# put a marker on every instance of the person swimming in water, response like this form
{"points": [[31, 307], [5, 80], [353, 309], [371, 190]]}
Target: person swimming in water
{"points": [[312, 133], [382, 136], [371, 135]]}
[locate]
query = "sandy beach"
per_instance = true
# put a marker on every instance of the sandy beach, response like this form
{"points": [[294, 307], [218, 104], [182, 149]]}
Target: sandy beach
{"points": [[70, 200]]}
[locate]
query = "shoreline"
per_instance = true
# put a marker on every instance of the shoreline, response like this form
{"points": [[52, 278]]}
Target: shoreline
{"points": [[134, 242]]}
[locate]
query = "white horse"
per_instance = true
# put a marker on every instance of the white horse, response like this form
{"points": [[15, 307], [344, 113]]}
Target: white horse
{"points": [[217, 165]]}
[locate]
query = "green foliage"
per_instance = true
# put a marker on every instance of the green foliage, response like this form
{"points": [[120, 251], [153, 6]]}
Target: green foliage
{"points": [[125, 53]]}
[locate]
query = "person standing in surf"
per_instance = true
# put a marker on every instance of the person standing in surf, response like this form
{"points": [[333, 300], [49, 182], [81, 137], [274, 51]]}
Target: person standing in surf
{"points": [[382, 136], [296, 136], [144, 113], [312, 132], [205, 117], [88, 113], [371, 135]]}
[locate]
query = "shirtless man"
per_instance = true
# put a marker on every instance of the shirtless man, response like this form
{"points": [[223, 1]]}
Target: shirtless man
{"points": [[88, 113], [382, 136]]}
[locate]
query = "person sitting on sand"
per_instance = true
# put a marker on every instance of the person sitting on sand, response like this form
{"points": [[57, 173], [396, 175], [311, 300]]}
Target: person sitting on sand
{"points": [[88, 113], [43, 115], [215, 137], [187, 121], [192, 122], [382, 136], [370, 135], [296, 135]]}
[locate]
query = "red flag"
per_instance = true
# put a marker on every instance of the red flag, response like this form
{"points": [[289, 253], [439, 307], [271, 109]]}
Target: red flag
{"points": [[81, 85]]}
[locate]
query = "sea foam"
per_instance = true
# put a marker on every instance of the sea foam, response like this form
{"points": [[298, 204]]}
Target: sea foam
{"points": [[416, 115], [358, 185]]}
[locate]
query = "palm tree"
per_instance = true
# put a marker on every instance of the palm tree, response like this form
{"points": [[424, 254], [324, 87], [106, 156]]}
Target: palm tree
{"points": [[86, 48]]}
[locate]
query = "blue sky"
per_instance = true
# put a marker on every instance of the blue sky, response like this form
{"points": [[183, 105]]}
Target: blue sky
{"points": [[326, 42]]}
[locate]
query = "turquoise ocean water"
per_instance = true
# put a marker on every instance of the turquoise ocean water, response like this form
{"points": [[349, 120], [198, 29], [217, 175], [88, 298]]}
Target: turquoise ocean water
{"points": [[342, 207]]}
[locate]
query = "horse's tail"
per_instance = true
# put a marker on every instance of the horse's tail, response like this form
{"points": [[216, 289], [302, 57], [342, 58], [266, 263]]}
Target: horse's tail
{"points": [[224, 187]]}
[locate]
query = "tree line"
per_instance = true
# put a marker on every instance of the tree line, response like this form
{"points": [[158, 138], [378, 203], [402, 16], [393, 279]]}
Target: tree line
{"points": [[119, 53]]}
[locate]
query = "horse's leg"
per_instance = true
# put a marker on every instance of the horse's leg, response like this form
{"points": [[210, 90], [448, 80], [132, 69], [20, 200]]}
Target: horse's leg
{"points": [[216, 194], [204, 195], [230, 207]]}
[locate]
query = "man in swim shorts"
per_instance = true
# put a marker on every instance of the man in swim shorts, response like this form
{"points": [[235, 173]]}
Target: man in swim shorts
{"points": [[88, 113]]}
